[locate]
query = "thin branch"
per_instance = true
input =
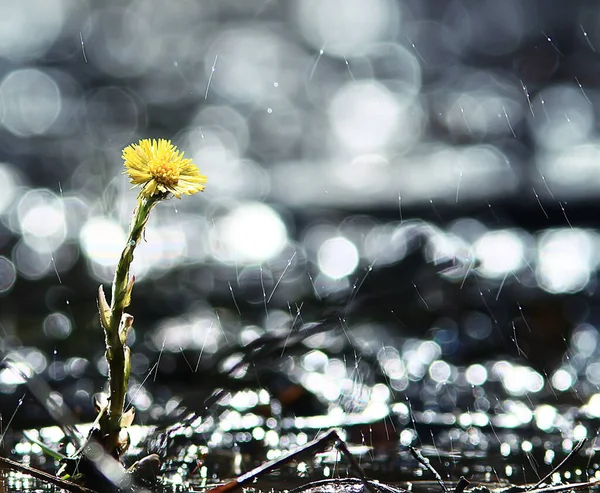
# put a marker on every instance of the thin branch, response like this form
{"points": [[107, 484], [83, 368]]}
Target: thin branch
{"points": [[427, 465], [461, 485], [310, 448], [576, 449], [567, 487], [44, 476]]}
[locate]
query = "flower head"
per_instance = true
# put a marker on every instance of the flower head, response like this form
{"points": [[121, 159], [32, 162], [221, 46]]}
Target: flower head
{"points": [[158, 167]]}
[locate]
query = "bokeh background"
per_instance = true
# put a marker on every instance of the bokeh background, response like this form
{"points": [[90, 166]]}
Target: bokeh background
{"points": [[424, 172]]}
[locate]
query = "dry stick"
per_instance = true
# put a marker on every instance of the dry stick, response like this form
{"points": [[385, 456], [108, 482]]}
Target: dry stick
{"points": [[566, 487], [312, 447], [44, 476], [461, 485], [576, 449], [427, 465]]}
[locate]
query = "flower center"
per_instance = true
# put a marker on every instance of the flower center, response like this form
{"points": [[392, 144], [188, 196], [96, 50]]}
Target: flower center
{"points": [[164, 172]]}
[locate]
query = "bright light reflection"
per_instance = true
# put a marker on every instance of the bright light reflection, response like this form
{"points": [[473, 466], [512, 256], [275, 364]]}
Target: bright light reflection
{"points": [[545, 416], [365, 116], [520, 411], [580, 432], [29, 29], [385, 244], [249, 60], [440, 371], [476, 110], [569, 118], [518, 380], [407, 436], [476, 374], [585, 340], [102, 241], [249, 233], [574, 167], [428, 351], [244, 400], [499, 252], [163, 248], [338, 257], [258, 433], [314, 361], [592, 372], [593, 406], [380, 393], [31, 102], [203, 333], [562, 380], [10, 376], [565, 258], [345, 26], [42, 220], [7, 185]]}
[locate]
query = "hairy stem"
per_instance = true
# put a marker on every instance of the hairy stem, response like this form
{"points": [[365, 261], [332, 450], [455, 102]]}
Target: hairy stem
{"points": [[115, 346]]}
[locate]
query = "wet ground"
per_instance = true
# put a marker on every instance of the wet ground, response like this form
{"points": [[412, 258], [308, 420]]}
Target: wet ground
{"points": [[516, 429], [494, 457], [492, 379]]}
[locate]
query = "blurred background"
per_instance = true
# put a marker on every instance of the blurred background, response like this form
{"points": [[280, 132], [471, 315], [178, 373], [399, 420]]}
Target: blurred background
{"points": [[421, 175]]}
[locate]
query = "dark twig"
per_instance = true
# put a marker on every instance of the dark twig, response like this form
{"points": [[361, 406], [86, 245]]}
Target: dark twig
{"points": [[575, 449], [310, 448], [427, 465], [44, 476], [341, 445], [461, 485], [566, 487]]}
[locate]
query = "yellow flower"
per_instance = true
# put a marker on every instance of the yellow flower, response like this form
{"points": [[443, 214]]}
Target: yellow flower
{"points": [[158, 167]]}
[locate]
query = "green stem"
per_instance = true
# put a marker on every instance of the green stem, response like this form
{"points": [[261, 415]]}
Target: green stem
{"points": [[115, 349]]}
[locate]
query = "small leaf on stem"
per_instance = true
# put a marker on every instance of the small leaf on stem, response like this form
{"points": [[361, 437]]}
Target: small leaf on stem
{"points": [[103, 308]]}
